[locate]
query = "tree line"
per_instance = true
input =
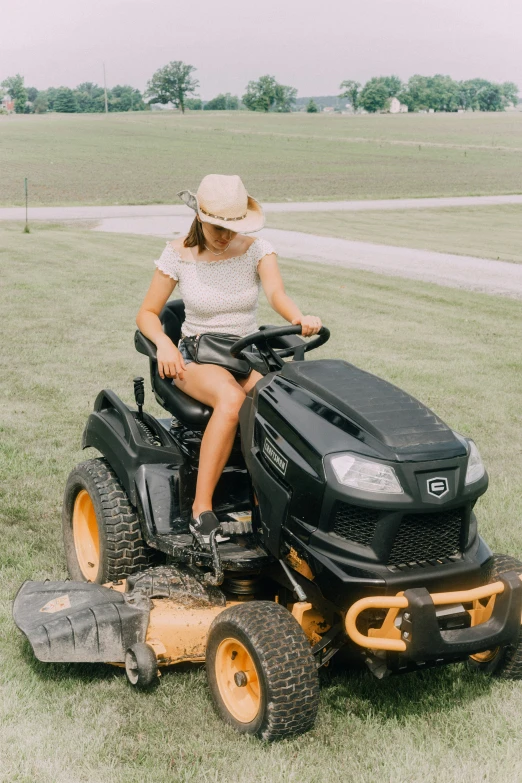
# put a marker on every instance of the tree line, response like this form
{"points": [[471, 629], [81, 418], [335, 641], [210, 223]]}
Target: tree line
{"points": [[175, 84], [86, 97], [425, 93]]}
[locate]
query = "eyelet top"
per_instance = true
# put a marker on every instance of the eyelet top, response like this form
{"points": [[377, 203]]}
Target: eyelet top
{"points": [[220, 295]]}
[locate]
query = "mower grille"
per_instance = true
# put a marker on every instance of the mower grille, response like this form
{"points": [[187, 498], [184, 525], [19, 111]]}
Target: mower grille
{"points": [[354, 523], [427, 537]]}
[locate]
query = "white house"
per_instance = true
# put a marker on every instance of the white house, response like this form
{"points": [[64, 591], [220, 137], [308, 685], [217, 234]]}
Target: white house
{"points": [[396, 107]]}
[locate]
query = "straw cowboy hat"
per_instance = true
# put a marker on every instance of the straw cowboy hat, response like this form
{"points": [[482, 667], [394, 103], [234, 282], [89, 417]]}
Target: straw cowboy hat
{"points": [[222, 200]]}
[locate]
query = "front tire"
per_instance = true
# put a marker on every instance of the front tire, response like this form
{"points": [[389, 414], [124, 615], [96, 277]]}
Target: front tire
{"points": [[101, 531], [505, 661], [261, 671]]}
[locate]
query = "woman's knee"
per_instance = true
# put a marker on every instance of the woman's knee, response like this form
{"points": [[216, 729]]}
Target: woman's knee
{"points": [[229, 401]]}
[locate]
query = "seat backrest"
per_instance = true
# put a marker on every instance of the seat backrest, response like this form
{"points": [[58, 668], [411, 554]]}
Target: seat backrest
{"points": [[172, 317]]}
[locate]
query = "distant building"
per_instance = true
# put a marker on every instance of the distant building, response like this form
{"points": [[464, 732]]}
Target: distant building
{"points": [[396, 107], [329, 109], [7, 104]]}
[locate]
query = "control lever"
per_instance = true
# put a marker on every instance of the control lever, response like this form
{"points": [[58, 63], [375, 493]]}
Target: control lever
{"points": [[139, 394]]}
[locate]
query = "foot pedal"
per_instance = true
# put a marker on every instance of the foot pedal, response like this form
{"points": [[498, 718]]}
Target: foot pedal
{"points": [[238, 524]]}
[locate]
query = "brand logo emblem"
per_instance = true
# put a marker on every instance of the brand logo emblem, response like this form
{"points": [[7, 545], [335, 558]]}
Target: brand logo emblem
{"points": [[438, 486], [56, 605], [275, 456]]}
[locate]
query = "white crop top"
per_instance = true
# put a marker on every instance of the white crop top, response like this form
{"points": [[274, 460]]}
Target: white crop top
{"points": [[219, 296]]}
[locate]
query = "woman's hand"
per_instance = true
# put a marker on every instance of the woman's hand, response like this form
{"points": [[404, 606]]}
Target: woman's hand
{"points": [[310, 324], [170, 360]]}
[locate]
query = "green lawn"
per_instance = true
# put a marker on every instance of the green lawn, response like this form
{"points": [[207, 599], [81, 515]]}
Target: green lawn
{"points": [[68, 299], [145, 158], [486, 232]]}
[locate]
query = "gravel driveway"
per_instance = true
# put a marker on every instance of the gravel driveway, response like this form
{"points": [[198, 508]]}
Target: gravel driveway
{"points": [[455, 271]]}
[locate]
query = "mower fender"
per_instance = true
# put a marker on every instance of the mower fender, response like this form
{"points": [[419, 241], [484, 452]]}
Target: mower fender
{"points": [[112, 429], [79, 621], [425, 640]]}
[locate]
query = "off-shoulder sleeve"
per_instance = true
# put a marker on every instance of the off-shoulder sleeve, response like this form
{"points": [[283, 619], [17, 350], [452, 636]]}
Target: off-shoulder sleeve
{"points": [[168, 262], [261, 248]]}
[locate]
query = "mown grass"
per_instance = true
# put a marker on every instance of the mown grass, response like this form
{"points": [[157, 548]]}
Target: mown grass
{"points": [[486, 232], [68, 300], [145, 158]]}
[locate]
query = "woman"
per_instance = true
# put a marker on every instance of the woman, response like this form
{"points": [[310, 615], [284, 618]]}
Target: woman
{"points": [[218, 270]]}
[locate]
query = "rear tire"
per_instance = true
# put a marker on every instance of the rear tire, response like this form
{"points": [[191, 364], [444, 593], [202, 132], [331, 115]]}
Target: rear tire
{"points": [[101, 531], [261, 671], [506, 661]]}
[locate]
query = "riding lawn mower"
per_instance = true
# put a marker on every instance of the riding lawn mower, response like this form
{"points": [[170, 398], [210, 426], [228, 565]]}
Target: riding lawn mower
{"points": [[346, 524]]}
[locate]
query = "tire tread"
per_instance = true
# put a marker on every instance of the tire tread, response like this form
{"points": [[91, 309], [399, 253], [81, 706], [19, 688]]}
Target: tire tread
{"points": [[287, 661], [126, 550]]}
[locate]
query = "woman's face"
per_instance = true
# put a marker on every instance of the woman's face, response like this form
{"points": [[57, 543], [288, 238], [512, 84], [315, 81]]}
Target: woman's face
{"points": [[218, 236]]}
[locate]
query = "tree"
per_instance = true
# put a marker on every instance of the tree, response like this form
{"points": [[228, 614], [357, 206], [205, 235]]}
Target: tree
{"points": [[125, 98], [376, 93], [443, 93], [284, 98], [268, 95], [351, 91], [195, 104], [374, 96], [438, 92], [223, 102], [490, 98], [52, 92], [15, 87], [260, 95], [171, 84], [65, 101], [509, 93], [312, 107], [392, 84], [32, 94], [41, 103], [89, 97]]}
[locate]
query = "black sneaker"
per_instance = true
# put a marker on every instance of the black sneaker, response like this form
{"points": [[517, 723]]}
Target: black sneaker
{"points": [[203, 525]]}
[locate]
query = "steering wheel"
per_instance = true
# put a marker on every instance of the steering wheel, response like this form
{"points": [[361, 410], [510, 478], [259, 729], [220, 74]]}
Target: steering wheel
{"points": [[261, 340]]}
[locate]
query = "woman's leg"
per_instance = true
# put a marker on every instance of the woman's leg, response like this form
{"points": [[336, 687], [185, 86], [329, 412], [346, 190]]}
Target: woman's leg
{"points": [[216, 387], [250, 381]]}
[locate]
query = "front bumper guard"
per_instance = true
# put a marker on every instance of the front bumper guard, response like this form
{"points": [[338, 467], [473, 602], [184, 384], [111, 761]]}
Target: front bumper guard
{"points": [[417, 634]]}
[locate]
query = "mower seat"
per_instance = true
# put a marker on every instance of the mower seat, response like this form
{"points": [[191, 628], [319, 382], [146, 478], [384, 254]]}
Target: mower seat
{"points": [[189, 411]]}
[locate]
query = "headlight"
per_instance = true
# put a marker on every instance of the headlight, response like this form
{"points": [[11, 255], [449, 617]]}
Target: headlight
{"points": [[476, 468], [365, 475]]}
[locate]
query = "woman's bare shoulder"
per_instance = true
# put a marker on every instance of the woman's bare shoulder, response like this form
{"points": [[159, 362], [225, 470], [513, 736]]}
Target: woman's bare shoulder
{"points": [[177, 244], [247, 242]]}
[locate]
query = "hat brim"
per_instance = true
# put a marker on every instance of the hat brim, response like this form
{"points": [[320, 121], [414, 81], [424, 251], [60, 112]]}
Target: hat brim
{"points": [[253, 221]]}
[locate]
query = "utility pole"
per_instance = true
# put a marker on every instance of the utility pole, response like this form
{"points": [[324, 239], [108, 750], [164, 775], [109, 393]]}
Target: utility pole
{"points": [[26, 229], [105, 90]]}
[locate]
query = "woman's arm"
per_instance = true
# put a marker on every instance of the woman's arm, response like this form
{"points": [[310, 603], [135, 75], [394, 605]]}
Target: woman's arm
{"points": [[279, 300], [170, 361]]}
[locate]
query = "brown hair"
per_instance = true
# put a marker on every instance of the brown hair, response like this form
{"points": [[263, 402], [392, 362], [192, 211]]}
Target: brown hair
{"points": [[195, 236]]}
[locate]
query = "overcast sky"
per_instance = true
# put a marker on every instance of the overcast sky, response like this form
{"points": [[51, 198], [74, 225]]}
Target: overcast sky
{"points": [[309, 45]]}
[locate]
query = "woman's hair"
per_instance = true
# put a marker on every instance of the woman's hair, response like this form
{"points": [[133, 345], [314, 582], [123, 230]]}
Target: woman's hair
{"points": [[195, 236]]}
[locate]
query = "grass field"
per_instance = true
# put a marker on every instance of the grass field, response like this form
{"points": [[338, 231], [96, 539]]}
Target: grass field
{"points": [[144, 158], [68, 300], [486, 232]]}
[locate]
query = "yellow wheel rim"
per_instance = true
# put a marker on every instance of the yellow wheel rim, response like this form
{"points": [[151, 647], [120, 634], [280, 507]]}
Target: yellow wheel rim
{"points": [[238, 680], [86, 536], [486, 656]]}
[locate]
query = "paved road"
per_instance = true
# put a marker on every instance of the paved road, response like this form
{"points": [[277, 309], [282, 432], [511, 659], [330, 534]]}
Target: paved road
{"points": [[163, 210], [476, 274]]}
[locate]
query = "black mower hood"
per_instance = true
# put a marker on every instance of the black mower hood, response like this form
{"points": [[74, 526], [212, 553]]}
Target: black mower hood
{"points": [[402, 424]]}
